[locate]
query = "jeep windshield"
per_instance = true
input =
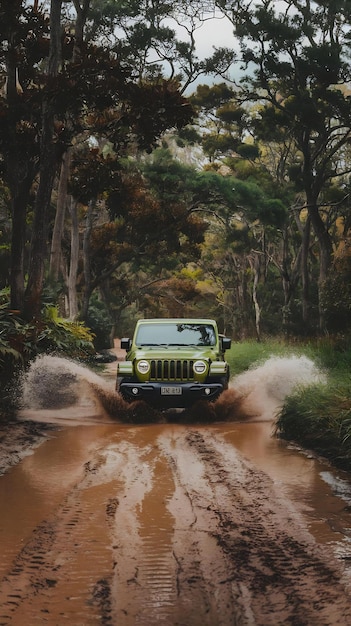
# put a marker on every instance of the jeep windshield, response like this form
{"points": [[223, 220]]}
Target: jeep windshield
{"points": [[175, 334]]}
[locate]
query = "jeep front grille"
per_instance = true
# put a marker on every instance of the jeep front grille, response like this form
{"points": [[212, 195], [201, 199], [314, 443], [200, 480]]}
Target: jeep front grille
{"points": [[171, 370]]}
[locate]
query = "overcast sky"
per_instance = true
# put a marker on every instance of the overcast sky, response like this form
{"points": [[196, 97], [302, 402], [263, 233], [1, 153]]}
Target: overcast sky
{"points": [[216, 32]]}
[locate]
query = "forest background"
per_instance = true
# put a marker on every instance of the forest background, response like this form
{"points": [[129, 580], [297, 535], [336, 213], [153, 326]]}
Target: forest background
{"points": [[137, 179]]}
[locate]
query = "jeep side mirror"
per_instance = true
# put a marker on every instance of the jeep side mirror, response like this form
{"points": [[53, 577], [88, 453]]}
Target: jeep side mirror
{"points": [[226, 343], [126, 343]]}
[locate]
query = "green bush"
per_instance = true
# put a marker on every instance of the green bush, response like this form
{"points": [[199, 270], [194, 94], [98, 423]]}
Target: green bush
{"points": [[60, 335], [100, 322], [319, 418], [21, 341]]}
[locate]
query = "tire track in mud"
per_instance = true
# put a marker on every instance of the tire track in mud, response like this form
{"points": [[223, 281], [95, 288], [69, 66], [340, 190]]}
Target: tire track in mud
{"points": [[63, 574], [275, 574], [172, 525]]}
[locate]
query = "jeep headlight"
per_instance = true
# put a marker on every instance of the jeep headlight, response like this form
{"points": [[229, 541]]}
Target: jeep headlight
{"points": [[143, 367], [200, 367]]}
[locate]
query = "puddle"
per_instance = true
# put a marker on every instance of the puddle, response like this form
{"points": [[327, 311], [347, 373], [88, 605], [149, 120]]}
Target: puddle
{"points": [[34, 488], [323, 494], [109, 496], [111, 490]]}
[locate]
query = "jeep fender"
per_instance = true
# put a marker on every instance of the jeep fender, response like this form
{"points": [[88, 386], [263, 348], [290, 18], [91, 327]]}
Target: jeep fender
{"points": [[125, 368], [218, 368]]}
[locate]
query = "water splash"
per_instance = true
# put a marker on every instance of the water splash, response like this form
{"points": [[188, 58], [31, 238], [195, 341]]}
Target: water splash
{"points": [[260, 392], [54, 384], [57, 384]]}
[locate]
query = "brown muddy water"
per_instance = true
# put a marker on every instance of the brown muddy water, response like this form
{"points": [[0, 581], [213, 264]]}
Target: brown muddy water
{"points": [[174, 521]]}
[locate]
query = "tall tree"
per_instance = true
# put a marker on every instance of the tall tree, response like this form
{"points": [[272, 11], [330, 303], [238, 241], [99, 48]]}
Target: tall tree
{"points": [[297, 55], [19, 121], [41, 113], [48, 163], [158, 38]]}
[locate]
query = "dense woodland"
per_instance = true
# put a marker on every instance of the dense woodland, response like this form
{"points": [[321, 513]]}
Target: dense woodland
{"points": [[137, 179]]}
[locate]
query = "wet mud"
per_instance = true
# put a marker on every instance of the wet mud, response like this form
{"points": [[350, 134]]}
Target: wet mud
{"points": [[186, 519]]}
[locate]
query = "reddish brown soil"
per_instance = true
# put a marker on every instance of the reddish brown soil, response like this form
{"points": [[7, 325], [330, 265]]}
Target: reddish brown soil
{"points": [[163, 523], [167, 525]]}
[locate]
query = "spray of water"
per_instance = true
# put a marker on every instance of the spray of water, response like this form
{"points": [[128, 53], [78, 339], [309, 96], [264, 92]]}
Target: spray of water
{"points": [[260, 392], [57, 383]]}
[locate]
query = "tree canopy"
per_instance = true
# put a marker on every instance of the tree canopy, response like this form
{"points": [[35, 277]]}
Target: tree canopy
{"points": [[117, 188], [296, 64]]}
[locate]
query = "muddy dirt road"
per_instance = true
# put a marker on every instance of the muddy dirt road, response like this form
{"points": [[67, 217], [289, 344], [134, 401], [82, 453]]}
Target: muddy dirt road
{"points": [[168, 523]]}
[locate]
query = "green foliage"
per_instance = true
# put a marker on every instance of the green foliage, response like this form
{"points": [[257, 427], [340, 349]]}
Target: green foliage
{"points": [[60, 335], [211, 97], [216, 144], [319, 417], [160, 217], [100, 322], [248, 151], [189, 135], [21, 341], [11, 330], [11, 356], [243, 354], [296, 68], [331, 353], [337, 297]]}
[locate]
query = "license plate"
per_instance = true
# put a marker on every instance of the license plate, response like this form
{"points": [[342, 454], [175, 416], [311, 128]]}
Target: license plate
{"points": [[171, 391]]}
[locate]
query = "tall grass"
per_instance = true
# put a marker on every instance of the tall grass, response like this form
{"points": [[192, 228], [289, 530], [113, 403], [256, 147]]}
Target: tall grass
{"points": [[244, 354], [318, 416]]}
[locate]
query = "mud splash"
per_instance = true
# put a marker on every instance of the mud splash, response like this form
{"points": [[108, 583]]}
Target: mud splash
{"points": [[55, 383], [261, 391]]}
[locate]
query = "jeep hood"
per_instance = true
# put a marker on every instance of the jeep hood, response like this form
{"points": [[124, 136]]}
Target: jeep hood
{"points": [[176, 352]]}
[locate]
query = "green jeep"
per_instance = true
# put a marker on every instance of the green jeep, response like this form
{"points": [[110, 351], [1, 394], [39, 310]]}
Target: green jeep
{"points": [[173, 363]]}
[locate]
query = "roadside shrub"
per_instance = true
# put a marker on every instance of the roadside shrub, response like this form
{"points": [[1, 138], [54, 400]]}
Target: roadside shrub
{"points": [[100, 322], [319, 418], [10, 360], [60, 335], [21, 341]]}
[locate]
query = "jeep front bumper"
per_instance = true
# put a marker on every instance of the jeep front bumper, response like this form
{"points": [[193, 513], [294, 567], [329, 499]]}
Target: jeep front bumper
{"points": [[170, 395]]}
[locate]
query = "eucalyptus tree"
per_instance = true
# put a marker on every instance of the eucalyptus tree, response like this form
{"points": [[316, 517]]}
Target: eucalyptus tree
{"points": [[243, 219], [295, 62], [158, 38]]}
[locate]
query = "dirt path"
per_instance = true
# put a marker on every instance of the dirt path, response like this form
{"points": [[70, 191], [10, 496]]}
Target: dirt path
{"points": [[162, 523], [169, 525]]}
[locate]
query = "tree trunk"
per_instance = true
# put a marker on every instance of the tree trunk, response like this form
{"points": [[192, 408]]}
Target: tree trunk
{"points": [[20, 196], [48, 162], [21, 169], [55, 259], [82, 12], [39, 248], [286, 282], [305, 274], [86, 259], [255, 267], [73, 268], [305, 232], [325, 255]]}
